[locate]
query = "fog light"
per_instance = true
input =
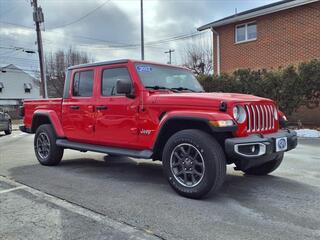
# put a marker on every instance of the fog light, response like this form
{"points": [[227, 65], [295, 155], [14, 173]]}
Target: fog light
{"points": [[250, 149], [253, 149]]}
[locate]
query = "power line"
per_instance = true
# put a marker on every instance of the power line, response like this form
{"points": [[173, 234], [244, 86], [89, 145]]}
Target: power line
{"points": [[136, 45], [82, 17], [123, 45], [151, 43], [17, 25], [63, 25]]}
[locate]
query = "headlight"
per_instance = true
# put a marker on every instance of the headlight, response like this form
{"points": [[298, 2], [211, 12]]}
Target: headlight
{"points": [[275, 113], [239, 114]]}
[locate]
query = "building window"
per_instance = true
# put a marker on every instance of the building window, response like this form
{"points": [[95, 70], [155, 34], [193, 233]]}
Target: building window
{"points": [[110, 78], [27, 88], [246, 32], [1, 87], [83, 84]]}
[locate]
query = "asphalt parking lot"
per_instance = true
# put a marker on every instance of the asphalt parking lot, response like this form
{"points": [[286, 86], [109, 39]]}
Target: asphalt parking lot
{"points": [[93, 196]]}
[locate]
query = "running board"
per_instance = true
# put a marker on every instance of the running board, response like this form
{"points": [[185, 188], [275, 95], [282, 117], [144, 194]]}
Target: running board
{"points": [[102, 149]]}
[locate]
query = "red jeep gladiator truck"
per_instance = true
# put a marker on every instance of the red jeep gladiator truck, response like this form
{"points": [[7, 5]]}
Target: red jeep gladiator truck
{"points": [[154, 111]]}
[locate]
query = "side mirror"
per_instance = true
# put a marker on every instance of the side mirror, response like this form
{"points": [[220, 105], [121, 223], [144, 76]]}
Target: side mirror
{"points": [[124, 86]]}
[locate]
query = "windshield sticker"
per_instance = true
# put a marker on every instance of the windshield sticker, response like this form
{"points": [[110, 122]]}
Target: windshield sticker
{"points": [[143, 68]]}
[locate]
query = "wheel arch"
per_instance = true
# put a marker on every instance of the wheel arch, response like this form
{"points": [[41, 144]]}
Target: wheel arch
{"points": [[178, 123], [47, 117]]}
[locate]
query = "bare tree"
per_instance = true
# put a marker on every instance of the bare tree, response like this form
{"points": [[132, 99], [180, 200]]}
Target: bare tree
{"points": [[198, 58], [56, 65]]}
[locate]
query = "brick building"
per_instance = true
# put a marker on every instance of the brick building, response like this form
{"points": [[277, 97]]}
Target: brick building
{"points": [[268, 37]]}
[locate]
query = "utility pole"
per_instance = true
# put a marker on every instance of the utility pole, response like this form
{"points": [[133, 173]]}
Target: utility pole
{"points": [[38, 19], [142, 33], [170, 52]]}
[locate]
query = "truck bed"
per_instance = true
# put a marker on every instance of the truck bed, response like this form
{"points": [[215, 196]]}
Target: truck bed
{"points": [[32, 105]]}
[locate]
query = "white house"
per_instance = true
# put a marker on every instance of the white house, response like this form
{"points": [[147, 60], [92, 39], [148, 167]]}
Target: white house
{"points": [[15, 86]]}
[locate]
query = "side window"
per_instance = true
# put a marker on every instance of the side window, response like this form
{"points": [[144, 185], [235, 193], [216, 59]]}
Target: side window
{"points": [[27, 88], [83, 84], [246, 32], [241, 33], [110, 78]]}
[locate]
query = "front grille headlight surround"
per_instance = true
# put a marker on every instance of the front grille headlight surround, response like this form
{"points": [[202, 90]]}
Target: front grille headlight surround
{"points": [[239, 114]]}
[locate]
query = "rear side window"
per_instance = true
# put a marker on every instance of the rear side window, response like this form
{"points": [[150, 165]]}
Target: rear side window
{"points": [[83, 84], [110, 78]]}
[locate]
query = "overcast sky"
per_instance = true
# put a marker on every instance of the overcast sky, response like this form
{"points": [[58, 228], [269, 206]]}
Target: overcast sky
{"points": [[113, 24]]}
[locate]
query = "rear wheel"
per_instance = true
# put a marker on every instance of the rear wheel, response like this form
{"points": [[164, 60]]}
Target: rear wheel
{"points": [[47, 152], [194, 163], [9, 130], [266, 168]]}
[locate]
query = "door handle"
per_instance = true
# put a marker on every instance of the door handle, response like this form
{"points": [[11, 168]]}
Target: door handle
{"points": [[102, 107], [74, 107]]}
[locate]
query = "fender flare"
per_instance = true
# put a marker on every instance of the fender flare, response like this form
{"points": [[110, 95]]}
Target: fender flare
{"points": [[53, 118], [199, 116]]}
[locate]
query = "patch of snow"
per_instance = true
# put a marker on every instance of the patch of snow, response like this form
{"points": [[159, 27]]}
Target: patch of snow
{"points": [[308, 133]]}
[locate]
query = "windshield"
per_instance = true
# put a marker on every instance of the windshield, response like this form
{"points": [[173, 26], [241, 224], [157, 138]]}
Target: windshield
{"points": [[164, 77]]}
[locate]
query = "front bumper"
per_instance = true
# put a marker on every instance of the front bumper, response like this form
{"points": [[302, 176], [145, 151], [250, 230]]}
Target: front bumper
{"points": [[247, 152]]}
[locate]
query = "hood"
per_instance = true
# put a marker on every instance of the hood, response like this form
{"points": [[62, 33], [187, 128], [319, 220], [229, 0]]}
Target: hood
{"points": [[198, 99]]}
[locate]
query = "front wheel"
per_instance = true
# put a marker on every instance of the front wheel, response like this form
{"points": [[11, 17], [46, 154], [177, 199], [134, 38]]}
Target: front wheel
{"points": [[194, 163], [45, 147], [266, 168]]}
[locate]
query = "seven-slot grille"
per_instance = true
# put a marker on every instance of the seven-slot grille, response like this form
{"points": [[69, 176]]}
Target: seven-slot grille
{"points": [[260, 117]]}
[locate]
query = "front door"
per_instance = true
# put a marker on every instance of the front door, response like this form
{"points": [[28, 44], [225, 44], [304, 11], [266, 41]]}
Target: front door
{"points": [[117, 115], [78, 113]]}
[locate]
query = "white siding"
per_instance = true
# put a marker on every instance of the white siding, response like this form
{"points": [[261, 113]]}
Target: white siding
{"points": [[14, 81]]}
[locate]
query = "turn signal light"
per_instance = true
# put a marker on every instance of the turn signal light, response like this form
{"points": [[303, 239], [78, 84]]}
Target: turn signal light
{"points": [[222, 123]]}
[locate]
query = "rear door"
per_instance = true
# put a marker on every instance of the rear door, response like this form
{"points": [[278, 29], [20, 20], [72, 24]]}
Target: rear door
{"points": [[78, 113], [117, 115]]}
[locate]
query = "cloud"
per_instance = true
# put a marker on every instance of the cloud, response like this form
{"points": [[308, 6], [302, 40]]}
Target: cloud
{"points": [[115, 23]]}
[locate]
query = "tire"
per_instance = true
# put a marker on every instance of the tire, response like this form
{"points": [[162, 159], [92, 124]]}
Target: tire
{"points": [[205, 164], [266, 168], [46, 150], [9, 130]]}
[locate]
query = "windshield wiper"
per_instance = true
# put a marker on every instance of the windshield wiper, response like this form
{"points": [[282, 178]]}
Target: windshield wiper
{"points": [[185, 89], [160, 87], [178, 89]]}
